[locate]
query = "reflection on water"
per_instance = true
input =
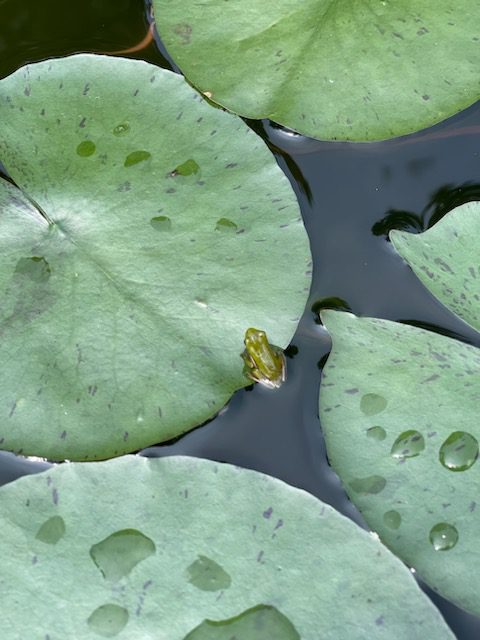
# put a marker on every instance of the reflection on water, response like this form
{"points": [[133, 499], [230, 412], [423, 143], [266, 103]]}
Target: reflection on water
{"points": [[29, 33], [284, 155], [289, 141], [441, 202], [332, 302]]}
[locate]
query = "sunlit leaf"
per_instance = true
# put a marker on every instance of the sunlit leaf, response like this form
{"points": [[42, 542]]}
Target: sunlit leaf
{"points": [[446, 259], [399, 409], [125, 294], [194, 550], [332, 70]]}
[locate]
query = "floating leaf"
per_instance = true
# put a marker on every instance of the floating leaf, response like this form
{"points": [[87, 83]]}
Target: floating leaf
{"points": [[332, 70], [195, 551], [124, 308], [399, 409], [445, 258]]}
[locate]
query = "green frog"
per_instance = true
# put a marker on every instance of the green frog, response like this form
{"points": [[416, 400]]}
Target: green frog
{"points": [[264, 362]]}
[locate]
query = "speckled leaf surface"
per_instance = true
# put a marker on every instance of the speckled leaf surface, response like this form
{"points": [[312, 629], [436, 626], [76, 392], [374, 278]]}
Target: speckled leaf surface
{"points": [[151, 231], [195, 550], [399, 409], [446, 259], [332, 70]]}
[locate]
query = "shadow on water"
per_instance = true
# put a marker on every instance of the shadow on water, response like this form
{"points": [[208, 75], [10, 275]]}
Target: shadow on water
{"points": [[351, 195]]}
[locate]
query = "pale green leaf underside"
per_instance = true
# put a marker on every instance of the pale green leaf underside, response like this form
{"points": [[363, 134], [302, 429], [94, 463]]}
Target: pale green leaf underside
{"points": [[331, 70], [123, 319], [446, 258], [383, 379], [193, 540]]}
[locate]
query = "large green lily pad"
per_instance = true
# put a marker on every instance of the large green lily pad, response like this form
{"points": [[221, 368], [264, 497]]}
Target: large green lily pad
{"points": [[194, 550], [446, 259], [147, 233], [332, 70], [399, 409]]}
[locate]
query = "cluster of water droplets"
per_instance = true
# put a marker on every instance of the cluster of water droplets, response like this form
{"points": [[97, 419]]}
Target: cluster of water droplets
{"points": [[458, 452], [187, 169], [117, 555]]}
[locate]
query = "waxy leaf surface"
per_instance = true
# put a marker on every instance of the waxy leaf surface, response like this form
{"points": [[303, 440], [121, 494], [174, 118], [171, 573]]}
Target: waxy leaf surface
{"points": [[146, 232], [399, 410], [446, 259], [346, 70], [194, 550]]}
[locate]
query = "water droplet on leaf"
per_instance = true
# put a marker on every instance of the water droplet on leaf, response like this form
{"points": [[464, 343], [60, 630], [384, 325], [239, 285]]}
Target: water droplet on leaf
{"points": [[208, 575], [443, 536], [187, 168], [224, 224], [136, 157], [118, 554], [86, 148], [52, 530], [408, 444], [459, 451], [372, 403], [108, 620], [161, 223], [121, 129], [258, 623], [376, 433], [392, 519]]}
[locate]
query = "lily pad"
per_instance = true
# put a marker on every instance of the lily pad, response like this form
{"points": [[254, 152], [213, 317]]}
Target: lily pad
{"points": [[195, 550], [445, 258], [399, 409], [125, 302], [331, 70]]}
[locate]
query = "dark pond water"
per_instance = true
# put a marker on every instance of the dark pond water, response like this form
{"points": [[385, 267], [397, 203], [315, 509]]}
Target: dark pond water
{"points": [[350, 196]]}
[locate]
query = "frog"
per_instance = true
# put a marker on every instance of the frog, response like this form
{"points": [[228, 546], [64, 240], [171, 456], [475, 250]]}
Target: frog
{"points": [[263, 362]]}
